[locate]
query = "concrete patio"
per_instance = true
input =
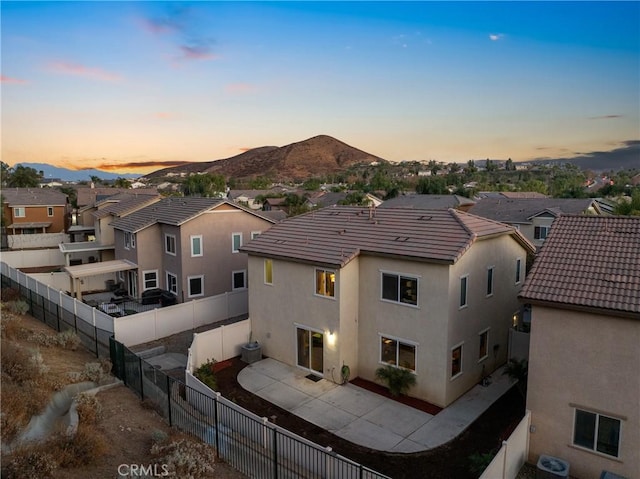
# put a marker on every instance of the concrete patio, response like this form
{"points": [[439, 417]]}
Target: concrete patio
{"points": [[363, 417]]}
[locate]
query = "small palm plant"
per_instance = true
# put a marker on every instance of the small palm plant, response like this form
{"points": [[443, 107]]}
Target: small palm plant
{"points": [[398, 380], [518, 369]]}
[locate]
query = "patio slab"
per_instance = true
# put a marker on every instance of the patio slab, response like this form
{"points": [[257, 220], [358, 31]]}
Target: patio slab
{"points": [[352, 399], [307, 386], [272, 368], [324, 415], [398, 418], [369, 435], [284, 396], [253, 381]]}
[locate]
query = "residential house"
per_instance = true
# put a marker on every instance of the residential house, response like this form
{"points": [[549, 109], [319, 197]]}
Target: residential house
{"points": [[583, 380], [189, 246], [34, 210], [429, 202], [533, 216], [89, 195], [322, 199], [431, 291], [253, 198]]}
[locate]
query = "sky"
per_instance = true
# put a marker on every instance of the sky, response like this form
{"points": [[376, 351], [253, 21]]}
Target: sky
{"points": [[138, 86]]}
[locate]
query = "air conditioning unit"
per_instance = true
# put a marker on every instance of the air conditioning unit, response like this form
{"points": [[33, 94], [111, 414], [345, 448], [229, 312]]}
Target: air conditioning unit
{"points": [[551, 468]]}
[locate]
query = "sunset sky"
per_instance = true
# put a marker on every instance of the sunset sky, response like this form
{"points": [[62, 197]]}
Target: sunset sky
{"points": [[135, 86]]}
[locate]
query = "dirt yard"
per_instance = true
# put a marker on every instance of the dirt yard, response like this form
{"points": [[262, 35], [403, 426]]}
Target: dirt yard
{"points": [[124, 431]]}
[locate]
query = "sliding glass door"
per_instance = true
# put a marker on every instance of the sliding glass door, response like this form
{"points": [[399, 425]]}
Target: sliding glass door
{"points": [[310, 350]]}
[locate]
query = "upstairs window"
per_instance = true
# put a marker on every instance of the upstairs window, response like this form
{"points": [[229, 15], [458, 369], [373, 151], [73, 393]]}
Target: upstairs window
{"points": [[170, 244], [518, 269], [49, 211], [463, 291], [129, 240], [490, 281], [400, 288], [172, 283], [325, 283], [236, 242], [540, 232], [196, 245], [268, 271], [19, 212], [255, 234]]}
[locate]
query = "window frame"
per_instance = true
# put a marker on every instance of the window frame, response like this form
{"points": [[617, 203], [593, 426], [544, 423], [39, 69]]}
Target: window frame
{"points": [[464, 279], [268, 271], [255, 234], [168, 275], [19, 212], [327, 294], [399, 278], [538, 230], [490, 280], [398, 341], [50, 211], [594, 448], [233, 242], [144, 279], [244, 280], [460, 372], [518, 270], [168, 239], [484, 332], [192, 239], [191, 278]]}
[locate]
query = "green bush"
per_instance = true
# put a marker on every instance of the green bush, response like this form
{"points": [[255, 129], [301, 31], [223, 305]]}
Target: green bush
{"points": [[205, 374], [398, 380], [478, 462]]}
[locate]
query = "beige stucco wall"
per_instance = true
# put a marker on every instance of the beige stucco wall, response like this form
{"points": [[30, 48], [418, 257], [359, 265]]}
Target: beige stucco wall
{"points": [[591, 361], [494, 312]]}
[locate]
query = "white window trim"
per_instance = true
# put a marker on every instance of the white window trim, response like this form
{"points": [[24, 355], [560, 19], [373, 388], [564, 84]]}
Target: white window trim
{"points": [[518, 270], [233, 273], [417, 277], [397, 339], [541, 228], [191, 238], [127, 240], [50, 209], [483, 358], [466, 292], [255, 234], [461, 346], [133, 241], [144, 281], [265, 271], [175, 244], [233, 242], [594, 450], [189, 278], [18, 209], [491, 268], [168, 283], [315, 284]]}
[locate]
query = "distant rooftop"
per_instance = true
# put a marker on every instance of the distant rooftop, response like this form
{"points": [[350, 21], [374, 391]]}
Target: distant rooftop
{"points": [[33, 197], [427, 201], [521, 210]]}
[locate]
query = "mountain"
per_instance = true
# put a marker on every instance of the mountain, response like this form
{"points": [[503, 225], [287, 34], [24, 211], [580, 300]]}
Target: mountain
{"points": [[76, 175], [316, 156]]}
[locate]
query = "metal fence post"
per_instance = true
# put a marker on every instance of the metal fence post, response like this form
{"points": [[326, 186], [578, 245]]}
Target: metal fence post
{"points": [[217, 425], [141, 376], [95, 333], [169, 398], [275, 453]]}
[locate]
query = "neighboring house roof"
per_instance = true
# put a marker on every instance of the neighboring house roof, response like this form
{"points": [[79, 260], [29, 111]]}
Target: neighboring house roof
{"points": [[274, 215], [89, 196], [427, 201], [33, 197], [510, 194], [124, 203], [336, 235], [173, 211], [589, 262], [522, 210]]}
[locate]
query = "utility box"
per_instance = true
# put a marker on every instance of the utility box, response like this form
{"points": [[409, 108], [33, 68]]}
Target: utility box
{"points": [[552, 468], [251, 352]]}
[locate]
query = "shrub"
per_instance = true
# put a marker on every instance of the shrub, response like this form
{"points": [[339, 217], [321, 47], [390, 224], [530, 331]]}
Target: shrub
{"points": [[159, 437], [205, 374], [11, 325], [30, 461], [478, 462], [85, 448], [96, 371], [398, 380], [19, 404], [20, 364], [19, 306], [185, 459], [68, 340], [10, 294], [88, 407]]}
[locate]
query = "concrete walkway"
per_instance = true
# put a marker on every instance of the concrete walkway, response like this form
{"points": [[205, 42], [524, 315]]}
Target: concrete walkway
{"points": [[363, 417]]}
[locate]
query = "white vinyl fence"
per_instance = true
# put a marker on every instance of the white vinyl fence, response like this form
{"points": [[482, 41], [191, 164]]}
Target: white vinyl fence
{"points": [[220, 343], [39, 240], [33, 258], [513, 453]]}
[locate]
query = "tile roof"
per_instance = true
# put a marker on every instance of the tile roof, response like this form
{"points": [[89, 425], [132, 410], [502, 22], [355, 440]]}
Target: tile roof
{"points": [[427, 201], [88, 196], [521, 210], [336, 235], [123, 203], [33, 197], [589, 262]]}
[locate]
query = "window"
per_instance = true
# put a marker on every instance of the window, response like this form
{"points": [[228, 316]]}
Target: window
{"points": [[19, 212], [596, 432], [172, 283], [463, 291], [170, 244], [456, 361], [483, 350], [196, 286], [129, 240], [255, 234], [518, 268], [398, 352], [399, 288], [239, 280], [236, 242], [133, 240], [490, 281], [49, 211], [150, 279], [540, 232], [268, 271], [196, 245], [325, 283]]}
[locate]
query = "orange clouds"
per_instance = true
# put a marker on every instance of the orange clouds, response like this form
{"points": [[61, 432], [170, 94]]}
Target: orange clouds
{"points": [[12, 81], [76, 69]]}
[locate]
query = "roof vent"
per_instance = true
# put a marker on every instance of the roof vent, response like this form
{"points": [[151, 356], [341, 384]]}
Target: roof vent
{"points": [[425, 218], [402, 238]]}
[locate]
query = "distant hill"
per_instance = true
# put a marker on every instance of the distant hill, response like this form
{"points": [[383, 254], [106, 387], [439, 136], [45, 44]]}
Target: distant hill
{"points": [[316, 156], [76, 175], [623, 158]]}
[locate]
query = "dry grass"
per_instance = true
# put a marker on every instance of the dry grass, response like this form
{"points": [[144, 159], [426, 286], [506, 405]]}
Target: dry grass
{"points": [[88, 407]]}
